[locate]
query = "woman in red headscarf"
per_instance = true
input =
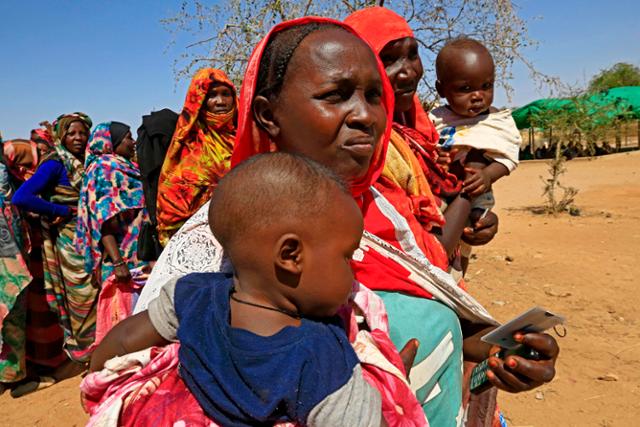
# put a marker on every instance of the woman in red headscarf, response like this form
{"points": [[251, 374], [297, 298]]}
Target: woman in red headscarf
{"points": [[304, 94], [345, 131], [413, 159], [199, 152]]}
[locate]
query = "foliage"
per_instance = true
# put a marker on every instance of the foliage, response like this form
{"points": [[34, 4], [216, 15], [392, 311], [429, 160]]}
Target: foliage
{"points": [[580, 125], [223, 33], [621, 74]]}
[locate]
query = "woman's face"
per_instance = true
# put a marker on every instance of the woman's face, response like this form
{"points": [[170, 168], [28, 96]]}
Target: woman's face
{"points": [[75, 141], [404, 69], [330, 105], [127, 148], [219, 99]]}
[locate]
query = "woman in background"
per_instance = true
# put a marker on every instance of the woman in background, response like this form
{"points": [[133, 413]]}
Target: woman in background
{"points": [[30, 340], [111, 208], [53, 192], [200, 150]]}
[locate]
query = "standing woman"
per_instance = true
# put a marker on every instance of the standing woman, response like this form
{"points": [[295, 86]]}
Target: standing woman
{"points": [[53, 192], [414, 140], [15, 279], [111, 209], [31, 340], [200, 150]]}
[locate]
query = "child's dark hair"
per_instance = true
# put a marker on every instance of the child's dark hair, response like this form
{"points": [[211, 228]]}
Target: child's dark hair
{"points": [[278, 54], [457, 43], [269, 190]]}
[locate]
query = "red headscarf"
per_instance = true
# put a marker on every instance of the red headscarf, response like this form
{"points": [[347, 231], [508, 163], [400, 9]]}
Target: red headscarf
{"points": [[42, 135], [252, 140], [380, 26]]}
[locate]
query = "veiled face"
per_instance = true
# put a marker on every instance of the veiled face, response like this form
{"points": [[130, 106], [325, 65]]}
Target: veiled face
{"points": [[219, 99]]}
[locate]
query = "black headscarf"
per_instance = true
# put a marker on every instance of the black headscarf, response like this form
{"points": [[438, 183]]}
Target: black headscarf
{"points": [[118, 131]]}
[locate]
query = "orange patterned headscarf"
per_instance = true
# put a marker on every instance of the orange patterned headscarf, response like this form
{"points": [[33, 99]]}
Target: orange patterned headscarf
{"points": [[198, 156]]}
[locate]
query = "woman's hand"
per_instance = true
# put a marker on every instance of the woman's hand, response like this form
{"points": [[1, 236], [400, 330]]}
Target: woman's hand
{"points": [[516, 374], [483, 229], [73, 211], [122, 273]]}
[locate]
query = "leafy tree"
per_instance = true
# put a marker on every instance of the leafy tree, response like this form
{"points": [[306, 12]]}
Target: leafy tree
{"points": [[621, 74], [223, 33]]}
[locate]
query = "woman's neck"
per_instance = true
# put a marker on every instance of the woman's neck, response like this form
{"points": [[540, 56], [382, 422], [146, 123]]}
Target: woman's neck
{"points": [[401, 117]]}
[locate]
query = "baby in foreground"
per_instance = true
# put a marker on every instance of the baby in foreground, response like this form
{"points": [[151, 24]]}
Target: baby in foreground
{"points": [[265, 345]]}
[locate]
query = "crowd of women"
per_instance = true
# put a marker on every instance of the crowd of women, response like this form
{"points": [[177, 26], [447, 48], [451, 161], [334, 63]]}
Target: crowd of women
{"points": [[90, 234]]}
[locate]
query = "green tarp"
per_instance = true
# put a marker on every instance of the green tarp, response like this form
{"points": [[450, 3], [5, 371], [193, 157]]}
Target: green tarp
{"points": [[619, 102]]}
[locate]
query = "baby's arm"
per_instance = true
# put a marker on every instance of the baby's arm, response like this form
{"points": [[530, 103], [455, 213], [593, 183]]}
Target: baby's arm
{"points": [[156, 326], [132, 334], [481, 175]]}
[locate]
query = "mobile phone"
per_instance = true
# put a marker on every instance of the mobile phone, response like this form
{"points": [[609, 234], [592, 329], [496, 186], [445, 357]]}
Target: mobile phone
{"points": [[536, 319], [479, 381]]}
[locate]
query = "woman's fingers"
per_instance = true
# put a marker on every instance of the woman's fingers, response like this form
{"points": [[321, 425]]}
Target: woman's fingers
{"points": [[408, 354], [506, 375], [544, 344], [538, 372]]}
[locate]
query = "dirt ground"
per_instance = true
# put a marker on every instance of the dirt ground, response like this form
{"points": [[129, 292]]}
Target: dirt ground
{"points": [[582, 267]]}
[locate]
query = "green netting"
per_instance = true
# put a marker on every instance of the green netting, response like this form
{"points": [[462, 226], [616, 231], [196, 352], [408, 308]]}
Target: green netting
{"points": [[620, 102]]}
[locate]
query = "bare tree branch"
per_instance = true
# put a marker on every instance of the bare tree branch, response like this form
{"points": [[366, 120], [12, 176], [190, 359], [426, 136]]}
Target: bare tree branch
{"points": [[226, 32]]}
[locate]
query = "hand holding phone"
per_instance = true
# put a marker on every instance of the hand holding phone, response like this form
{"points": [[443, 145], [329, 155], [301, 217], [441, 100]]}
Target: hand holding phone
{"points": [[536, 319], [537, 367]]}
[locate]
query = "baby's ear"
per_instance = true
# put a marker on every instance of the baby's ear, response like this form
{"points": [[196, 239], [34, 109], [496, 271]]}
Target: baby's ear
{"points": [[289, 258]]}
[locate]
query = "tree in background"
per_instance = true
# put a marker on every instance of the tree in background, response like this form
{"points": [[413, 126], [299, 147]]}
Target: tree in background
{"points": [[578, 126], [223, 33], [621, 74]]}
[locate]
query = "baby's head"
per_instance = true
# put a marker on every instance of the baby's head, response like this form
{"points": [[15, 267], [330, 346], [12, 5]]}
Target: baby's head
{"points": [[290, 227], [466, 73]]}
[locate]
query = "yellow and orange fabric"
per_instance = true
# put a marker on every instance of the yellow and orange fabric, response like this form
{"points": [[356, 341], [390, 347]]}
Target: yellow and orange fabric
{"points": [[198, 156]]}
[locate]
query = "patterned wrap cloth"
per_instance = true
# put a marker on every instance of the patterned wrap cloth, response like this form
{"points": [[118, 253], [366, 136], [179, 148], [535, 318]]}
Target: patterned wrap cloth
{"points": [[15, 277], [198, 155], [43, 135], [112, 187], [70, 291], [29, 330]]}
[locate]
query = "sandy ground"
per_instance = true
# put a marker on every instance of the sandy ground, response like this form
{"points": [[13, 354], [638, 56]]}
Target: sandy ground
{"points": [[582, 267]]}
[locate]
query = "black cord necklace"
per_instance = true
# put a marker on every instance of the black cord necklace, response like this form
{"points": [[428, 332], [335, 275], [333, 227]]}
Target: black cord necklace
{"points": [[266, 307]]}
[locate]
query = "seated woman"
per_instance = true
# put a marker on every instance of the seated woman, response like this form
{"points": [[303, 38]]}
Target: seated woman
{"points": [[53, 192], [313, 89], [200, 150]]}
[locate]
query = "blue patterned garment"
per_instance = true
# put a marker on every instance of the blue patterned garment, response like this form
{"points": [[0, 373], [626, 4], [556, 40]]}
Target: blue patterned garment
{"points": [[112, 187]]}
